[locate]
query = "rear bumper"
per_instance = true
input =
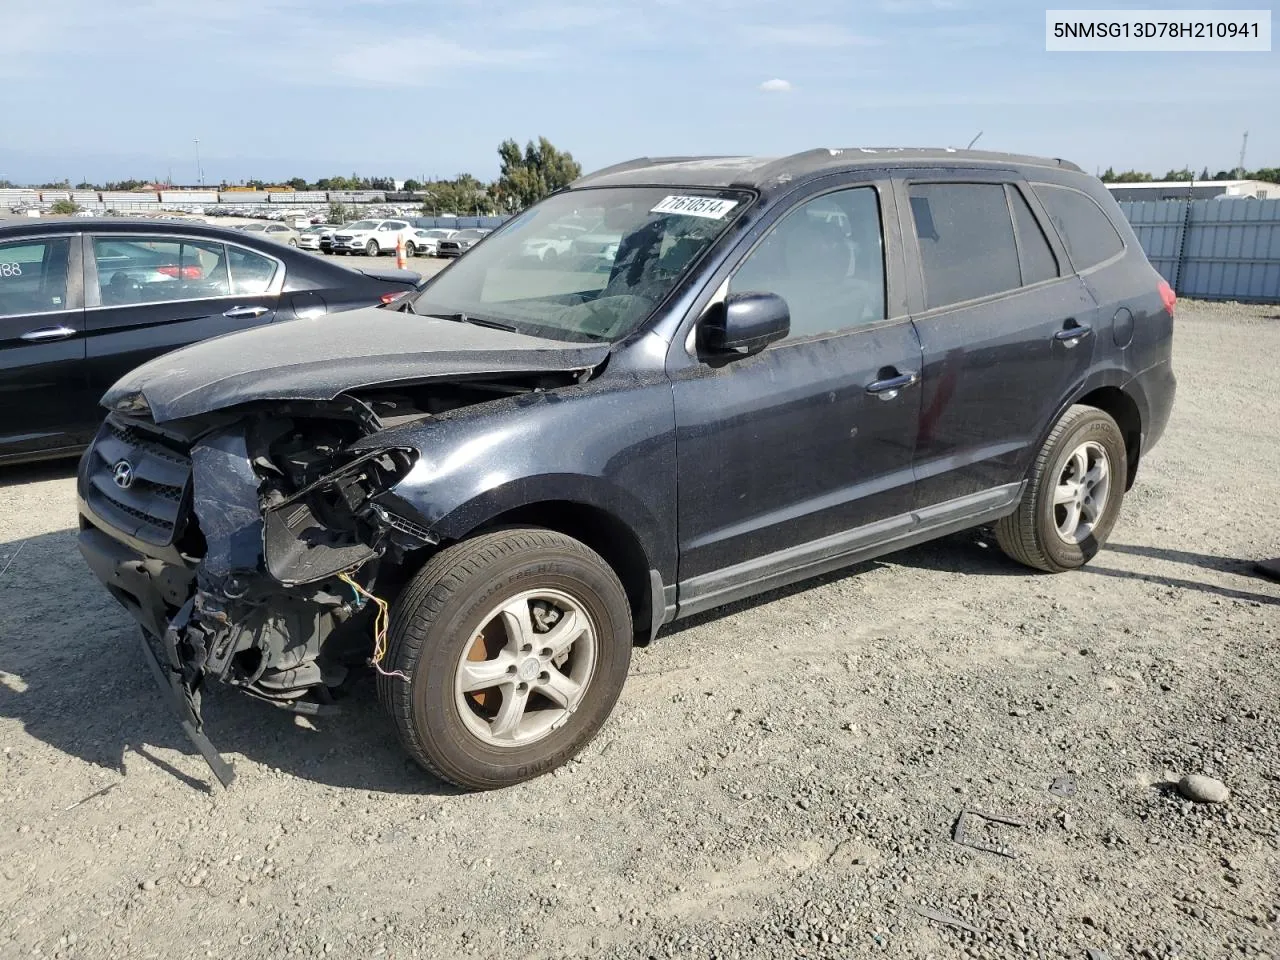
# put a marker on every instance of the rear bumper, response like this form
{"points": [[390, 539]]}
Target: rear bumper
{"points": [[1158, 386]]}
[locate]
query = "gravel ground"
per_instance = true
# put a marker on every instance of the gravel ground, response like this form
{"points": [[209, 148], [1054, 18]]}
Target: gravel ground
{"points": [[781, 778]]}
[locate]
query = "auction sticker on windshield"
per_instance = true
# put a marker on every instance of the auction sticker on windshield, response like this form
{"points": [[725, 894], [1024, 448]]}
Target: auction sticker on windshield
{"points": [[713, 208]]}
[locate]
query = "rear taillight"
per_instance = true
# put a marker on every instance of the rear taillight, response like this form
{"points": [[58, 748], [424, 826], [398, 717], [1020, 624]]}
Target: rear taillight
{"points": [[1168, 296], [392, 297]]}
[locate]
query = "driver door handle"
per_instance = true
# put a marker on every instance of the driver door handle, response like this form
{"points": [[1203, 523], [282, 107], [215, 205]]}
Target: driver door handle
{"points": [[889, 388], [48, 333], [241, 313]]}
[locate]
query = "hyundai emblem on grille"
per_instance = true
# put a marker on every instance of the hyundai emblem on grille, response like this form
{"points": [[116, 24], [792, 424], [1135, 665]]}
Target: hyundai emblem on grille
{"points": [[122, 474]]}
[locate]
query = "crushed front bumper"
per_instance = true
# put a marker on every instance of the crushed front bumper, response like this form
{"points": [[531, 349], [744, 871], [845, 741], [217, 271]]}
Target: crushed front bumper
{"points": [[148, 588]]}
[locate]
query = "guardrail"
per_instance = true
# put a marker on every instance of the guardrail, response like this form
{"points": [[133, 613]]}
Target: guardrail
{"points": [[1212, 249]]}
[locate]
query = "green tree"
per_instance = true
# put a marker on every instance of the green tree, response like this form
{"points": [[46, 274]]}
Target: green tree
{"points": [[86, 186], [298, 183], [56, 185], [1204, 174], [126, 185], [1132, 176], [337, 213], [1270, 174], [1108, 175], [7, 185], [526, 178], [1184, 174], [64, 208], [413, 186]]}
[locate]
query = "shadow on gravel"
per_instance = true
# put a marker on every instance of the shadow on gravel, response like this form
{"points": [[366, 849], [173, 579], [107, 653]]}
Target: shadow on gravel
{"points": [[62, 469], [71, 673]]}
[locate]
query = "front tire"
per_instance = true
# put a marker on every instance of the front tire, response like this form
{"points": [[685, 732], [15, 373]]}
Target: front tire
{"points": [[516, 644], [410, 250], [371, 248], [1073, 494]]}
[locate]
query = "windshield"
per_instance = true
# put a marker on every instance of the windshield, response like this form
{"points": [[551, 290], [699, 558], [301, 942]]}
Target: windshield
{"points": [[364, 225], [633, 245]]}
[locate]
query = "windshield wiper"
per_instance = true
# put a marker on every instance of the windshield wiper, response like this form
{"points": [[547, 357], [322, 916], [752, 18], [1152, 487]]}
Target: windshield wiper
{"points": [[478, 321]]}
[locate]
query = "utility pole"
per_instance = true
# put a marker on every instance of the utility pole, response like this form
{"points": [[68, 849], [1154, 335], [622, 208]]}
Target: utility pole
{"points": [[199, 169], [1243, 145]]}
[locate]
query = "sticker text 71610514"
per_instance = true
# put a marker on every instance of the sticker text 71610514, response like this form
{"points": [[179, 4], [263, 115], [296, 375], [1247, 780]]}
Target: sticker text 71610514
{"points": [[713, 208]]}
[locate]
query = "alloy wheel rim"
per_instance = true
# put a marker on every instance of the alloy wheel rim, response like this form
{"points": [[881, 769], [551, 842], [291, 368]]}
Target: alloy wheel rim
{"points": [[526, 669], [1081, 493]]}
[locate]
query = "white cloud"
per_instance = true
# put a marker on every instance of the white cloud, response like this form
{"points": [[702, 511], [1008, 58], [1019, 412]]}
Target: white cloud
{"points": [[776, 85]]}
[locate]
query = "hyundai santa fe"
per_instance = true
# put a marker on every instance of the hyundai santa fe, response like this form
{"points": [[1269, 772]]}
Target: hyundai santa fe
{"points": [[489, 492]]}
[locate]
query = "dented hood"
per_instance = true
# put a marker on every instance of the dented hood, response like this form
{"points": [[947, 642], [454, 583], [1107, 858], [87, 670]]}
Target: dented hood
{"points": [[322, 357]]}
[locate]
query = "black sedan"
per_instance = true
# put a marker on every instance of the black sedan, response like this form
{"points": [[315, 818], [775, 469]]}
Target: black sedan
{"points": [[83, 302]]}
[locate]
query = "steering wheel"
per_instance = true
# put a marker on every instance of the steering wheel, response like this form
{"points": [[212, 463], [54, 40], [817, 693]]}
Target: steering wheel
{"points": [[605, 315]]}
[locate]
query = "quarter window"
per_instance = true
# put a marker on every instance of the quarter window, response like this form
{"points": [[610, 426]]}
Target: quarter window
{"points": [[1034, 253], [826, 259], [965, 235], [33, 276], [1086, 231], [144, 270], [251, 273]]}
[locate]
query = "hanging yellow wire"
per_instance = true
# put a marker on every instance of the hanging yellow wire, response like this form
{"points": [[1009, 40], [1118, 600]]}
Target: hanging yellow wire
{"points": [[381, 623]]}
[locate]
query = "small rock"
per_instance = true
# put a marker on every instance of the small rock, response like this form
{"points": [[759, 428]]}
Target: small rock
{"points": [[148, 884], [1203, 789]]}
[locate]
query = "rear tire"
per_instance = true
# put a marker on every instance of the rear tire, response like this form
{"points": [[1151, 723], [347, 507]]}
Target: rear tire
{"points": [[410, 250], [464, 607], [1073, 494]]}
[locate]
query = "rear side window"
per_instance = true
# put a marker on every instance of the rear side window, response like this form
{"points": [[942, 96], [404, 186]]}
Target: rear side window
{"points": [[1034, 252], [1088, 235], [33, 276], [966, 241]]}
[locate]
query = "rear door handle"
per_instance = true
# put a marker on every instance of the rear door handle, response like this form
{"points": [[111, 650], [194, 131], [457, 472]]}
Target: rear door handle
{"points": [[1072, 335], [888, 389], [48, 333], [241, 313]]}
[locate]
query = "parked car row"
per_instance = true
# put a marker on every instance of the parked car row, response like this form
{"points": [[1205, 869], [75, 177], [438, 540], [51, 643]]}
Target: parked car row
{"points": [[374, 237]]}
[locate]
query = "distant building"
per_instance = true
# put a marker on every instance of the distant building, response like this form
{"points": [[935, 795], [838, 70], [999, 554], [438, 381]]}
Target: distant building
{"points": [[1196, 189]]}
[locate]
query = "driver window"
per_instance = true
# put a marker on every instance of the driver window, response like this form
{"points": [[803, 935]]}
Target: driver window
{"points": [[826, 259]]}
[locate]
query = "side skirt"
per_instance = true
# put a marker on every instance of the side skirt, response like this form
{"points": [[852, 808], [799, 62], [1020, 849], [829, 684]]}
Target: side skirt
{"points": [[845, 549]]}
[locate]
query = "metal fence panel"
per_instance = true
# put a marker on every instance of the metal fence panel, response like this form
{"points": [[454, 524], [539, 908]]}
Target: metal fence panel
{"points": [[1213, 249]]}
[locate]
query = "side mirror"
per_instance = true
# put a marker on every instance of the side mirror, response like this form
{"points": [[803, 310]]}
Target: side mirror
{"points": [[745, 323]]}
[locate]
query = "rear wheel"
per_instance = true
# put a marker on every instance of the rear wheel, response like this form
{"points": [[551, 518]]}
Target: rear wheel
{"points": [[293, 243], [371, 248], [1073, 494], [516, 645]]}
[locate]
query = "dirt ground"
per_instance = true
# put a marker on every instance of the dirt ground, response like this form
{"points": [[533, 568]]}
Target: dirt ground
{"points": [[781, 778]]}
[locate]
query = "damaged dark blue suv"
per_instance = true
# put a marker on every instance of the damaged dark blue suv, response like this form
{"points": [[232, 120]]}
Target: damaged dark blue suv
{"points": [[675, 384]]}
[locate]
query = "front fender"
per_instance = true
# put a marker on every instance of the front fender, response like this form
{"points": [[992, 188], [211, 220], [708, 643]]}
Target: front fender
{"points": [[606, 445]]}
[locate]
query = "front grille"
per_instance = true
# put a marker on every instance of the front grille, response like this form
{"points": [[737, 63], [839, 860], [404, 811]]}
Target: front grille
{"points": [[343, 238], [151, 505]]}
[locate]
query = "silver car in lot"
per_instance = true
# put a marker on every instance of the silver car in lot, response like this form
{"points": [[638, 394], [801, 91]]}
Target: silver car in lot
{"points": [[309, 238], [273, 231], [462, 241], [426, 241]]}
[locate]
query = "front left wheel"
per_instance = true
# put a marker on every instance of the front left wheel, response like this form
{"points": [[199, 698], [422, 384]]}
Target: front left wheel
{"points": [[513, 647]]}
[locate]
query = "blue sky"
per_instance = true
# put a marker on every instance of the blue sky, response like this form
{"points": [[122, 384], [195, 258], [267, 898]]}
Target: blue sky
{"points": [[277, 88]]}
